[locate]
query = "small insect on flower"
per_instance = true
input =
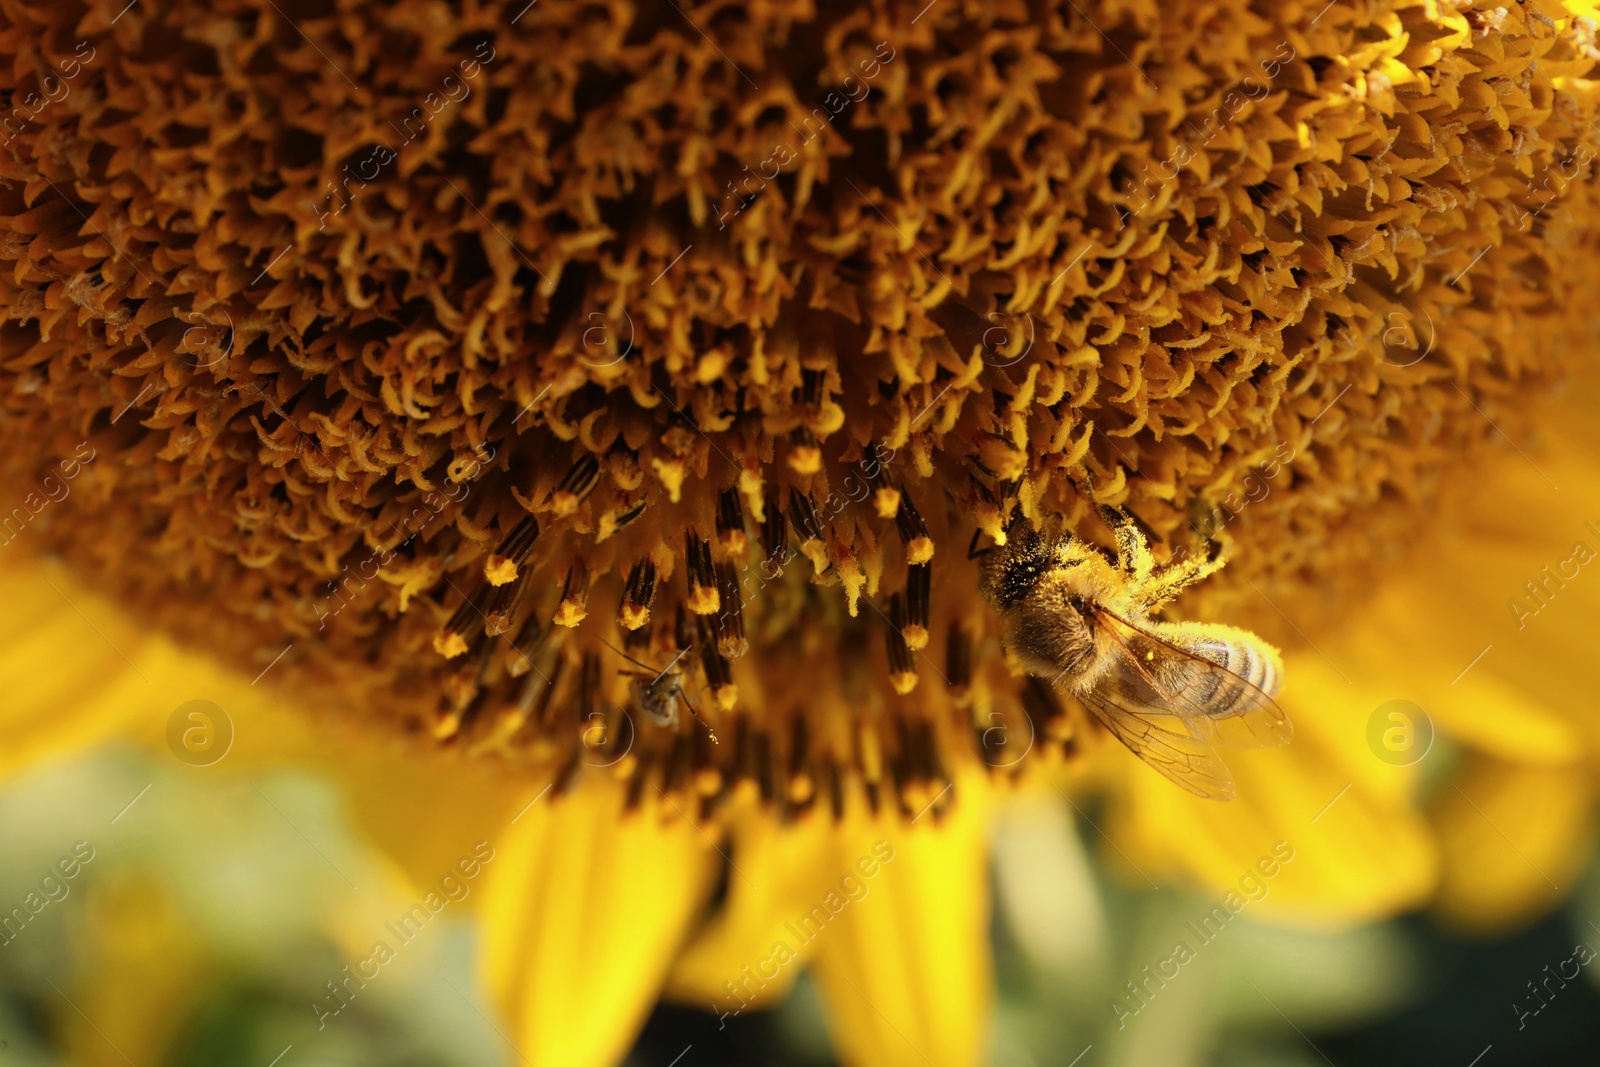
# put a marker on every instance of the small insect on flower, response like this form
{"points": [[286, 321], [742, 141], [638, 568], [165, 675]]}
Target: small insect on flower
{"points": [[1167, 690], [656, 693]]}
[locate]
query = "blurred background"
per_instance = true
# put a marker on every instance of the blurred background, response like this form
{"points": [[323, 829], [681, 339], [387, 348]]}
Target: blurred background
{"points": [[207, 912]]}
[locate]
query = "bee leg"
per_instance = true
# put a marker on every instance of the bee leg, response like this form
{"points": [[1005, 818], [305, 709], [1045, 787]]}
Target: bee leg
{"points": [[1208, 551], [973, 551], [1192, 563], [1132, 536], [1133, 551]]}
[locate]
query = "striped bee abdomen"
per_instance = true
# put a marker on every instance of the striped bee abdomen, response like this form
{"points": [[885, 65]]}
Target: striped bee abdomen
{"points": [[1226, 693]]}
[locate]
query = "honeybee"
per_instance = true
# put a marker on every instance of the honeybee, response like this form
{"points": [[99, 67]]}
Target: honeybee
{"points": [[656, 693], [1168, 690]]}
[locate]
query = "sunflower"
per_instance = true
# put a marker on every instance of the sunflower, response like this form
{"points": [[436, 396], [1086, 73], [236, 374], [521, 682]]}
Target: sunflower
{"points": [[610, 395]]}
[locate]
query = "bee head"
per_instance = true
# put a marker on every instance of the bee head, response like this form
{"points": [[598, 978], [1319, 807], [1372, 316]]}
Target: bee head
{"points": [[1011, 570]]}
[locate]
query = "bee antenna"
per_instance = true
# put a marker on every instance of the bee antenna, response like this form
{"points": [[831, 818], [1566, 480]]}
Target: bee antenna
{"points": [[624, 655], [698, 717], [1085, 485]]}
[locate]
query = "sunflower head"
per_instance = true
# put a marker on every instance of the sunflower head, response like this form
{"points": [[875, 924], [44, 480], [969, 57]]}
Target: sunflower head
{"points": [[575, 385]]}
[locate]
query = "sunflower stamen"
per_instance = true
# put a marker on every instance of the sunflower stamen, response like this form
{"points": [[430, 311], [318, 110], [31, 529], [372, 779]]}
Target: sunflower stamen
{"points": [[919, 594], [502, 606], [834, 778], [575, 485], [766, 777], [775, 537], [902, 670], [638, 594], [958, 662], [462, 632], [1046, 714], [805, 454], [731, 535], [638, 778], [719, 676], [565, 775], [729, 622], [806, 522], [574, 605], [704, 598], [519, 656], [504, 563], [619, 519], [913, 531], [800, 784]]}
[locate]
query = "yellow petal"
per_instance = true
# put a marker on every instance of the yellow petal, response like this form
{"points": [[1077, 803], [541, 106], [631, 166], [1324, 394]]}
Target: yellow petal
{"points": [[1047, 885], [782, 872], [66, 683], [142, 965], [1497, 666], [1359, 850], [1514, 840], [76, 669], [584, 907], [425, 808], [905, 970]]}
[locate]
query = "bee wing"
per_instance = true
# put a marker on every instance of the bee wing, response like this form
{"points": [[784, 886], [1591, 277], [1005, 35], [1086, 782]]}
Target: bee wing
{"points": [[1222, 707], [1164, 741]]}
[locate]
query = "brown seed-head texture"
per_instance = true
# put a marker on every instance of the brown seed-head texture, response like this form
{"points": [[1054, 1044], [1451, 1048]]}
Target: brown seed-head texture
{"points": [[485, 352]]}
